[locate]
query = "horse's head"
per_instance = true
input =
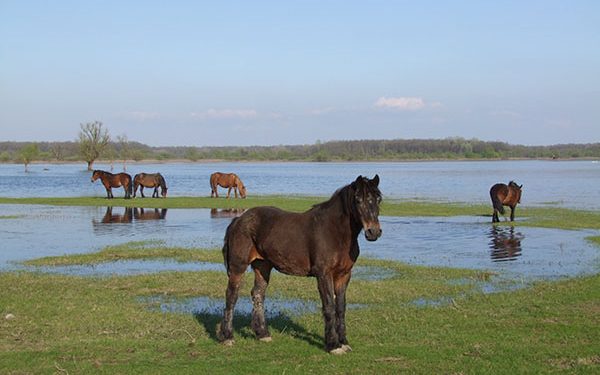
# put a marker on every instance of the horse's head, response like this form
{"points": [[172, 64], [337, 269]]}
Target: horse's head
{"points": [[241, 187], [163, 192], [367, 199], [96, 175]]}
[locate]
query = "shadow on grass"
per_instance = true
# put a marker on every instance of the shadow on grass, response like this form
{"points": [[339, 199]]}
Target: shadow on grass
{"points": [[241, 326]]}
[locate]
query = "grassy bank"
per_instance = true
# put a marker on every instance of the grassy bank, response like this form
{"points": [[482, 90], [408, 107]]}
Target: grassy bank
{"points": [[535, 216], [67, 324]]}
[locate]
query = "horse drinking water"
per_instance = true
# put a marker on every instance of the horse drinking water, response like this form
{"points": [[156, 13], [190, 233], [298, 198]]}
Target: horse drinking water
{"points": [[321, 242], [110, 181], [505, 195], [149, 180], [226, 180]]}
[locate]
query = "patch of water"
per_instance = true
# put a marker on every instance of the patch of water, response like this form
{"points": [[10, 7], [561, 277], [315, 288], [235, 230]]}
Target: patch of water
{"points": [[464, 242], [214, 306]]}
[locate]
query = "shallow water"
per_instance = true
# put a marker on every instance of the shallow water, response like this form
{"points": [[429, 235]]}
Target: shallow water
{"points": [[574, 184], [467, 242], [274, 307]]}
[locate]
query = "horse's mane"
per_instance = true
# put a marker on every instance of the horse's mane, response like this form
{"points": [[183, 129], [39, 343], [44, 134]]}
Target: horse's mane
{"points": [[346, 195]]}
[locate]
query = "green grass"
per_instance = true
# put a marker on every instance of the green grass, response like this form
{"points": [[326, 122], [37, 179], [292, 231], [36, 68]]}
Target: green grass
{"points": [[536, 216], [98, 325]]}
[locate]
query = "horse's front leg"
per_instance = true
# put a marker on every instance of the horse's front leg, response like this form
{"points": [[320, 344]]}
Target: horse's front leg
{"points": [[228, 192], [512, 212], [235, 189], [155, 193], [340, 284], [332, 342]]}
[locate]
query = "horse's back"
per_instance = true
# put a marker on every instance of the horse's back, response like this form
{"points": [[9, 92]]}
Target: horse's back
{"points": [[282, 238]]}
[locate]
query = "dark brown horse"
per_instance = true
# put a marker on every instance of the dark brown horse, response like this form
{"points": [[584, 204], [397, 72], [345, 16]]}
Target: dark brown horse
{"points": [[505, 195], [110, 181], [226, 180], [150, 180], [321, 242]]}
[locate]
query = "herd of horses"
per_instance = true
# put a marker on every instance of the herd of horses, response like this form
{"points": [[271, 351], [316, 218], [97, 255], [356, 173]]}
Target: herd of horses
{"points": [[321, 242], [156, 180]]}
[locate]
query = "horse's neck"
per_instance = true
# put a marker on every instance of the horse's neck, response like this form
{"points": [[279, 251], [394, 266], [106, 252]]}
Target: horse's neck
{"points": [[338, 211]]}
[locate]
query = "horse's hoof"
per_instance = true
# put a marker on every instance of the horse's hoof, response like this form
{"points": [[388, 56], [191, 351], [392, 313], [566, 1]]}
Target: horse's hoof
{"points": [[228, 342], [347, 348], [337, 351], [266, 339]]}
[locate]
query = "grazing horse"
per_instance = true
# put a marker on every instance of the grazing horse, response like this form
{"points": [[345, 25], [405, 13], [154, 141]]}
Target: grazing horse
{"points": [[505, 195], [321, 242], [226, 180], [110, 181], [150, 180]]}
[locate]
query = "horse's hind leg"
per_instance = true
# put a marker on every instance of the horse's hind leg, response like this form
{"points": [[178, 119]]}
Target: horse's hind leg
{"points": [[262, 274], [142, 191], [225, 333]]}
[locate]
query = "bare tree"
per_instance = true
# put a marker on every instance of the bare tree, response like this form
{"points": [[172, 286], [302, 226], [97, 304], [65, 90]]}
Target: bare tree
{"points": [[93, 141]]}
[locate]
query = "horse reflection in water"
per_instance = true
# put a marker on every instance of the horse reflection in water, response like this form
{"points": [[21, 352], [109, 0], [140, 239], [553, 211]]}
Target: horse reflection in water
{"points": [[110, 217], [129, 215], [505, 244], [226, 213], [149, 214]]}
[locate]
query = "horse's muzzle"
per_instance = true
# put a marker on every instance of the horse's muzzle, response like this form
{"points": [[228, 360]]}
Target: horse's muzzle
{"points": [[372, 234]]}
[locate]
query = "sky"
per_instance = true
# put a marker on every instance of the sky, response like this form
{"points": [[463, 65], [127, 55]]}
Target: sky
{"points": [[199, 73]]}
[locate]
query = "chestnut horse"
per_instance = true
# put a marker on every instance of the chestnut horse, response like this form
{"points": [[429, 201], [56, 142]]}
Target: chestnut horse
{"points": [[110, 181], [321, 242], [150, 180], [226, 180], [505, 195]]}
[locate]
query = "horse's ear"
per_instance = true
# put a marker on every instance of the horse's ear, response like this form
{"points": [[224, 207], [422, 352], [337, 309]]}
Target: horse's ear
{"points": [[520, 187], [358, 179], [375, 180]]}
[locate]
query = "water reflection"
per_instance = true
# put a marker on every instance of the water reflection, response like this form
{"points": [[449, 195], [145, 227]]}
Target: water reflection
{"points": [[216, 213], [505, 243], [110, 217], [150, 214]]}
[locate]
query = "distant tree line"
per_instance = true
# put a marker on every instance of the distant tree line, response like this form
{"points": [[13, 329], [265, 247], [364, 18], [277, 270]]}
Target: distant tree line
{"points": [[359, 150]]}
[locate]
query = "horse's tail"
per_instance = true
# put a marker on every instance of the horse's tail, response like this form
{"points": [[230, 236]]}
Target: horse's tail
{"points": [[496, 202], [226, 243]]}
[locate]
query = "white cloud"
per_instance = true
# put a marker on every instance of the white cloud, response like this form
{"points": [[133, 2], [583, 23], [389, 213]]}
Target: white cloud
{"points": [[225, 114], [401, 103]]}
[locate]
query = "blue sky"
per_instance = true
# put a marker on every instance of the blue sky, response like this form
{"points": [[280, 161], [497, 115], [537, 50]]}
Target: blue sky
{"points": [[283, 72]]}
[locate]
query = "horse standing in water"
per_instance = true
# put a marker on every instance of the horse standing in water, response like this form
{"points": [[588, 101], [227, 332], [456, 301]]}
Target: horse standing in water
{"points": [[150, 180], [110, 181], [321, 242], [226, 180], [505, 195]]}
